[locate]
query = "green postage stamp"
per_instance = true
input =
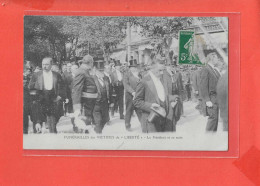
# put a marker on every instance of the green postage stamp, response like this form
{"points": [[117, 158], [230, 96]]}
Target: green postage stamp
{"points": [[187, 54]]}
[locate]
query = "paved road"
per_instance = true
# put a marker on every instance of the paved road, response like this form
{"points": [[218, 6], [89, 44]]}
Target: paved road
{"points": [[190, 122]]}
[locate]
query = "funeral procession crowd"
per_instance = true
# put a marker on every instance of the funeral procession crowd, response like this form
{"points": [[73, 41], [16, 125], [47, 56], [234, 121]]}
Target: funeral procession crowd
{"points": [[91, 95]]}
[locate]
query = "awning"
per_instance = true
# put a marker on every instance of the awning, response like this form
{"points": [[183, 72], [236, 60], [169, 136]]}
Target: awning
{"points": [[121, 55], [143, 47]]}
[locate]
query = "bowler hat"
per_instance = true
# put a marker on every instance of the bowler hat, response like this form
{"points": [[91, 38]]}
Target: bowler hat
{"points": [[155, 113]]}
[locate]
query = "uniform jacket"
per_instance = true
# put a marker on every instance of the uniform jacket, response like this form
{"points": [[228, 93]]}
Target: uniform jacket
{"points": [[81, 82]]}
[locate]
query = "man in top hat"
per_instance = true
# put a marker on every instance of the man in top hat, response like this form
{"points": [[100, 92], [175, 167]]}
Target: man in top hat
{"points": [[153, 98], [101, 109], [117, 82], [84, 90], [48, 87], [131, 79], [208, 83]]}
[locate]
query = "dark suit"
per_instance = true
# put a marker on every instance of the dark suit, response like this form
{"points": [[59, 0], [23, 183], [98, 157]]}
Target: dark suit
{"points": [[146, 94], [68, 79], [222, 96], [101, 109], [46, 107], [84, 93], [26, 103], [119, 91], [130, 84], [208, 83], [187, 85], [196, 85]]}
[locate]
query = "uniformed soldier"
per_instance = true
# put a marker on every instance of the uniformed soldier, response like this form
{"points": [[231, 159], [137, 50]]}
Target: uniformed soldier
{"points": [[84, 90]]}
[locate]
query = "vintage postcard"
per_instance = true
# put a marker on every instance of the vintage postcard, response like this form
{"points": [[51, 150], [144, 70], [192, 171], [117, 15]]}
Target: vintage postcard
{"points": [[125, 83]]}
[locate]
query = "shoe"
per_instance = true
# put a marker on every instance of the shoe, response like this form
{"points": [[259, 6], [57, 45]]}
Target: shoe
{"points": [[129, 129], [75, 129], [127, 125], [122, 117]]}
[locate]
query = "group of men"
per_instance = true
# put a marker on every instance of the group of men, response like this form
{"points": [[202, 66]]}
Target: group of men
{"points": [[89, 93], [210, 86]]}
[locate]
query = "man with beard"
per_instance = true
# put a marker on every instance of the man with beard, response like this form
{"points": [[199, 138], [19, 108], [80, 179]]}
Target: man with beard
{"points": [[49, 88]]}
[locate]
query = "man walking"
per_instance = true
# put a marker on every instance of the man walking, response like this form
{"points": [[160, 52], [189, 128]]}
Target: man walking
{"points": [[84, 90], [117, 82], [153, 98], [49, 88], [131, 79], [208, 83]]}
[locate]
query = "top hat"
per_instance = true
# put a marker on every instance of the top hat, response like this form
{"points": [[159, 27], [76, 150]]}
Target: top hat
{"points": [[133, 63], [100, 65], [155, 113], [117, 63]]}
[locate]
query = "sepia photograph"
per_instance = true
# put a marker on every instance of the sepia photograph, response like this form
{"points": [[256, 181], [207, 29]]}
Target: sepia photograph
{"points": [[125, 83]]}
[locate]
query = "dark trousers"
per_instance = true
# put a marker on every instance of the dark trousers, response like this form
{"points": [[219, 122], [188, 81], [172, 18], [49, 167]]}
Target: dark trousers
{"points": [[130, 109], [34, 126], [100, 116], [25, 123], [212, 112], [188, 90], [52, 122], [119, 100]]}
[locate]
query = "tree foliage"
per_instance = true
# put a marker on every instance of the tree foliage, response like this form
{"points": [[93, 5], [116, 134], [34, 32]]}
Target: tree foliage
{"points": [[61, 36]]}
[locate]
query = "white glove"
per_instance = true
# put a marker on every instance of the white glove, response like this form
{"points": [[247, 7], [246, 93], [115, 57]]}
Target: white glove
{"points": [[155, 105], [133, 95], [196, 92], [66, 100], [209, 104]]}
